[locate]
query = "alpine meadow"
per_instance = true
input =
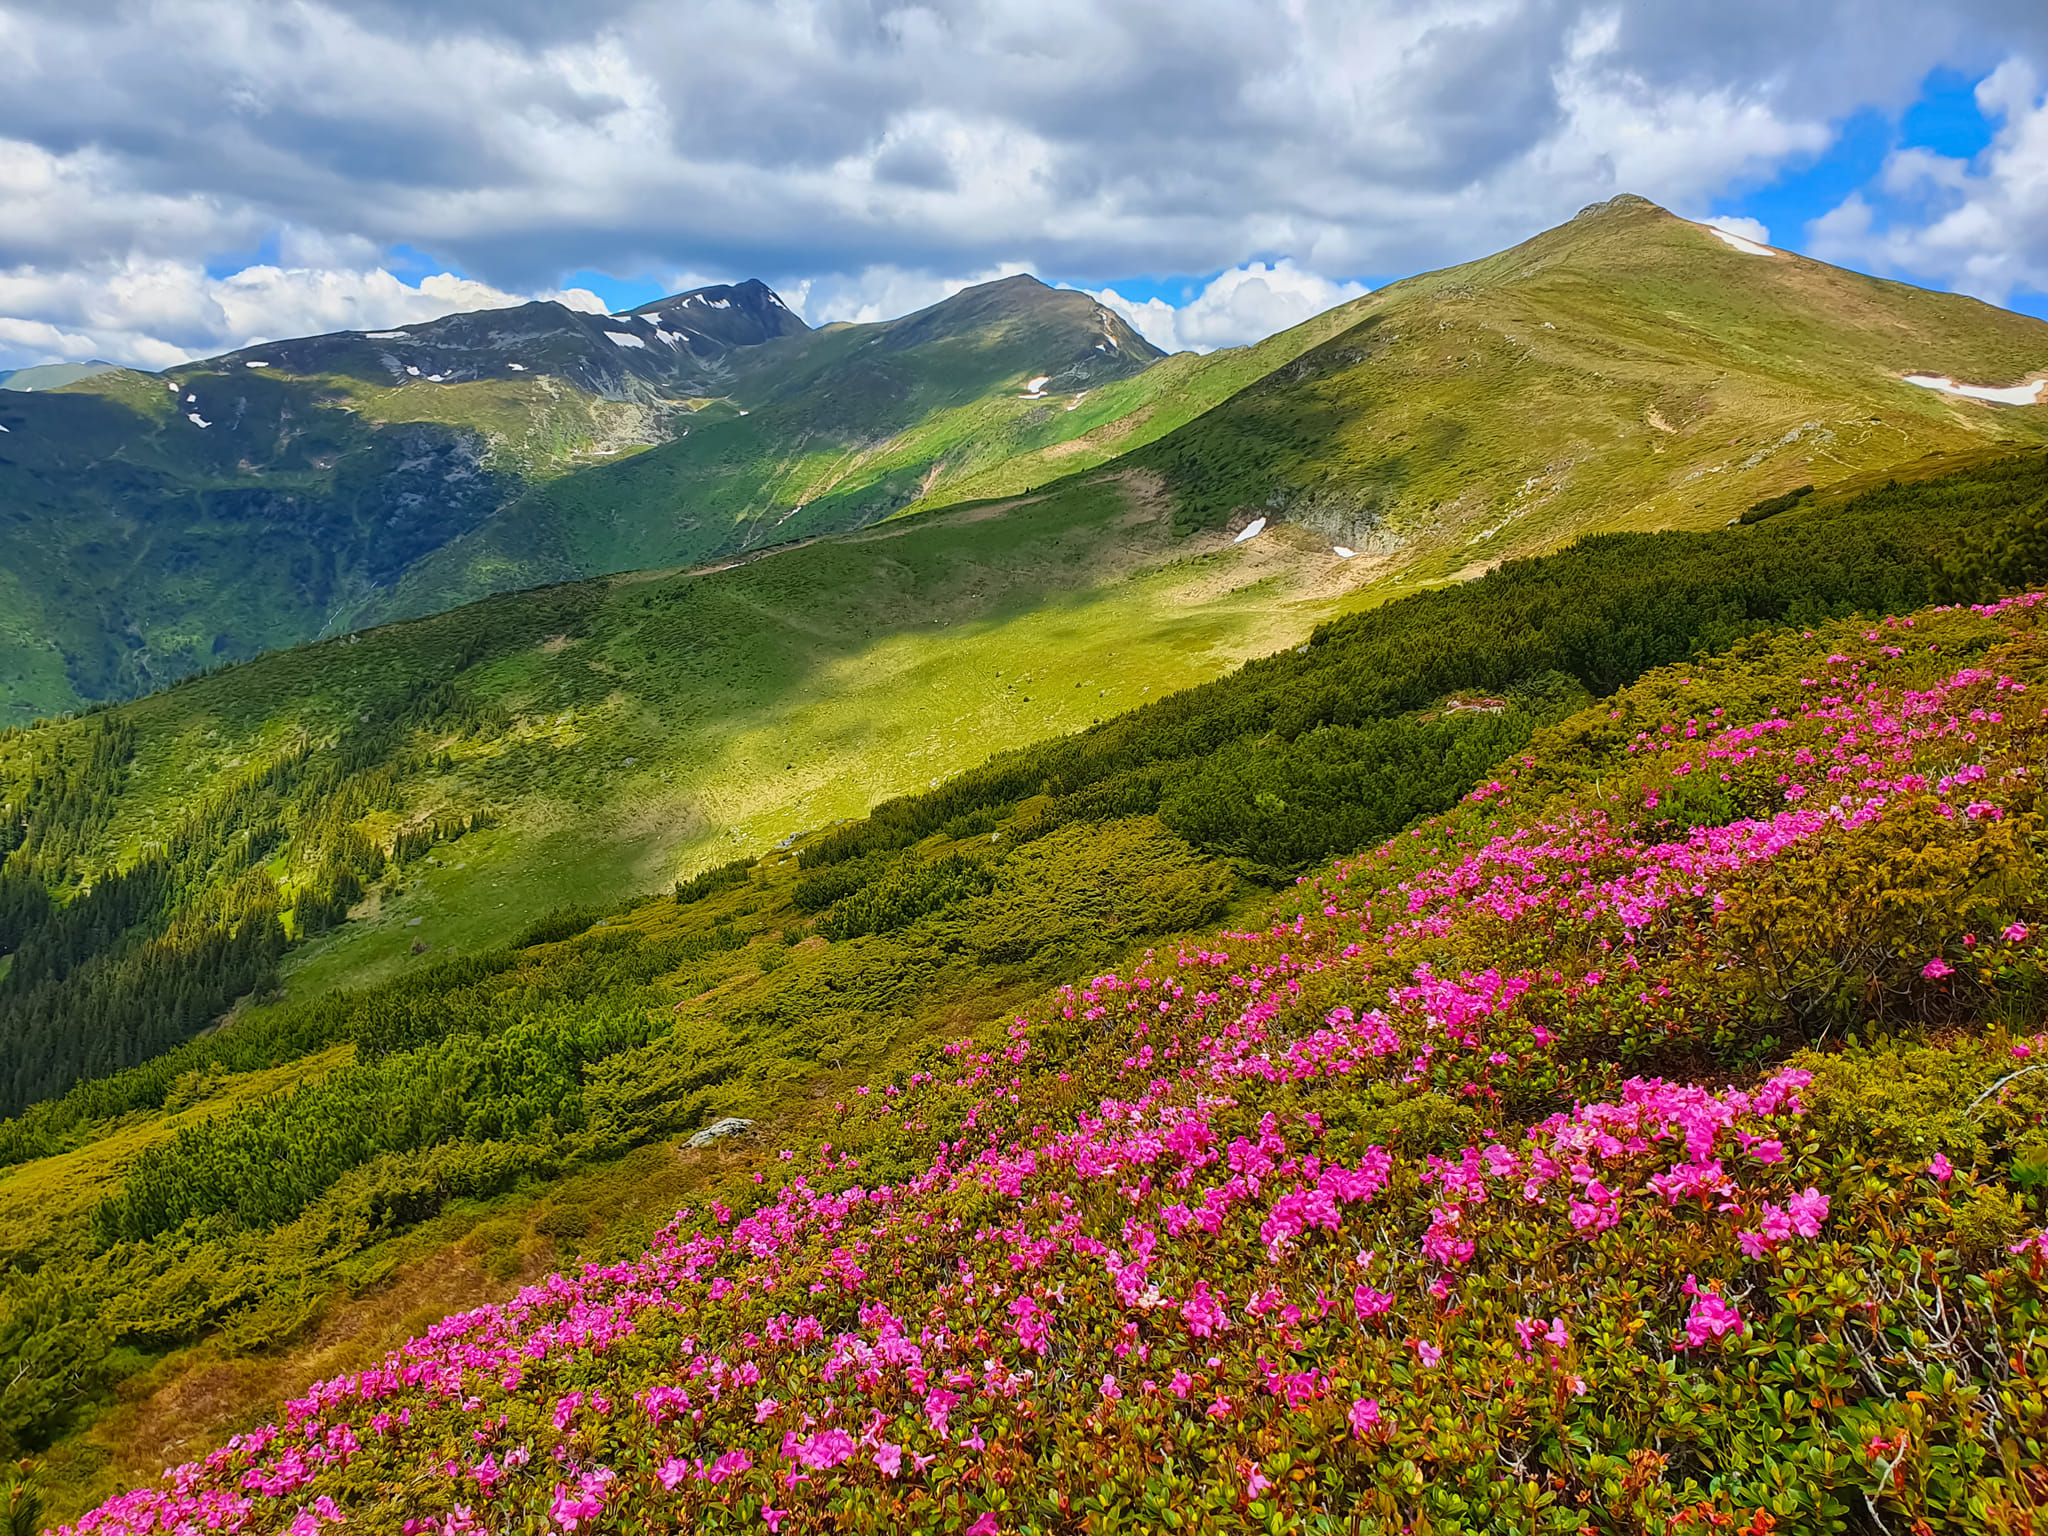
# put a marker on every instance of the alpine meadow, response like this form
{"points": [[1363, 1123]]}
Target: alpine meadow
{"points": [[683, 920]]}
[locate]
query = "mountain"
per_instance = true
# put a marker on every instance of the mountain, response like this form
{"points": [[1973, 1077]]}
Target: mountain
{"points": [[1626, 369], [160, 524], [1629, 838], [829, 430], [638, 726], [646, 355]]}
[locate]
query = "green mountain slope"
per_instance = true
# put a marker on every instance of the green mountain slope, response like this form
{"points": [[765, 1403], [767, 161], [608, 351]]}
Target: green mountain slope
{"points": [[829, 430], [464, 1127], [1627, 369], [152, 526], [606, 735]]}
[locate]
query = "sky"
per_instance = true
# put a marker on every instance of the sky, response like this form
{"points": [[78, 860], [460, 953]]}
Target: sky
{"points": [[177, 180]]}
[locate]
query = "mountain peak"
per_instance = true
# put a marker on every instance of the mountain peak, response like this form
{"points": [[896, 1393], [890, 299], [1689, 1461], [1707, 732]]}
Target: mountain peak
{"points": [[1621, 203], [727, 315]]}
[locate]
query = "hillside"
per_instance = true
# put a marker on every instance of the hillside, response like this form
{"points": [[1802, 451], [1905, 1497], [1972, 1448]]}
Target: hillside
{"points": [[456, 1131], [591, 741], [1272, 1225], [158, 525], [1626, 369], [813, 434]]}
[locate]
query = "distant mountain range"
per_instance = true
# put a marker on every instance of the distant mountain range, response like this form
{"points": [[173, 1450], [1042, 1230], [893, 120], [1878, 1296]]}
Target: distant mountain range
{"points": [[1627, 369], [158, 524]]}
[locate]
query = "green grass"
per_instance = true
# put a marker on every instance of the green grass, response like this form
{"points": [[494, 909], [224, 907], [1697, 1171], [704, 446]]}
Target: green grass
{"points": [[755, 702], [1625, 370]]}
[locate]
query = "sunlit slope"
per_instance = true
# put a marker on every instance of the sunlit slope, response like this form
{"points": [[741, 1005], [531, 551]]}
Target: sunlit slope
{"points": [[1626, 370], [619, 731]]}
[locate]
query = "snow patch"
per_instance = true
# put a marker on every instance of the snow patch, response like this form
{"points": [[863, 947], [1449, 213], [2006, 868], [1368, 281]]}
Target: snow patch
{"points": [[1342, 553], [517, 367], [1252, 530], [196, 419], [386, 336], [435, 378], [255, 365], [6, 429], [718, 303], [621, 339], [412, 370], [1747, 247], [2011, 394], [1036, 387]]}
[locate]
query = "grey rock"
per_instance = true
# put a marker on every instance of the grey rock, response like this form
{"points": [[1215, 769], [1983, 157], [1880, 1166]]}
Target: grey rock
{"points": [[731, 1125]]}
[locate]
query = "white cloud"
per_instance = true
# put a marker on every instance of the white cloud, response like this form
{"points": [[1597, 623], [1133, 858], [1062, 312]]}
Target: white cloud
{"points": [[156, 314], [880, 292], [1978, 225], [1748, 229], [889, 140], [1242, 305]]}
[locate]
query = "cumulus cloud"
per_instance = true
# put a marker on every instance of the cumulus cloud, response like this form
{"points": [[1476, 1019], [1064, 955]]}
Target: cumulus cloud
{"points": [[1979, 225], [156, 314], [910, 143], [881, 292], [1242, 305], [1748, 229]]}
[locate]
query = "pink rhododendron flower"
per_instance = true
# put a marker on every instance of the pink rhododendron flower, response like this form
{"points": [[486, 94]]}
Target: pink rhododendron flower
{"points": [[1204, 1312], [889, 1457], [572, 1506], [731, 1464], [1942, 1169], [2016, 933], [1370, 1303], [1366, 1418], [1712, 1317], [1257, 1483], [1428, 1353], [1937, 968], [820, 1452]]}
